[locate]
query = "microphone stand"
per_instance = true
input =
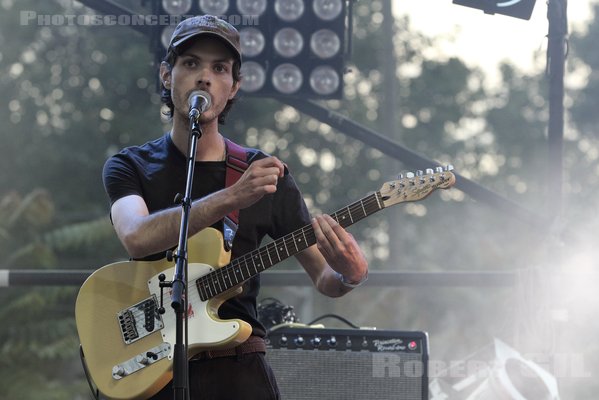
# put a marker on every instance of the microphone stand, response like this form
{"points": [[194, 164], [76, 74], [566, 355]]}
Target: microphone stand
{"points": [[179, 282]]}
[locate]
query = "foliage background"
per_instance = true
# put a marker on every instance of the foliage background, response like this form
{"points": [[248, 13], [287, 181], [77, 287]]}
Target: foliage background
{"points": [[73, 95]]}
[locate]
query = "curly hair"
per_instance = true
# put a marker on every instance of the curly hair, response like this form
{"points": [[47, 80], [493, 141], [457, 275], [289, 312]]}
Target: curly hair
{"points": [[165, 94]]}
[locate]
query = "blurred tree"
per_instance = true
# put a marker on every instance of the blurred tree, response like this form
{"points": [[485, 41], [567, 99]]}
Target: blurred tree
{"points": [[37, 325], [64, 86]]}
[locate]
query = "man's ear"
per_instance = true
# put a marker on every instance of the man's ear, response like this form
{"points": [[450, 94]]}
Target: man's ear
{"points": [[165, 74], [235, 89]]}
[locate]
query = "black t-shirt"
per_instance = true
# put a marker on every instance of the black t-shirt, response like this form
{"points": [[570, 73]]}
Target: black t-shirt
{"points": [[157, 171]]}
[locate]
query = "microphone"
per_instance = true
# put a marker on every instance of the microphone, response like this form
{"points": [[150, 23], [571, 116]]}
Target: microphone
{"points": [[199, 101]]}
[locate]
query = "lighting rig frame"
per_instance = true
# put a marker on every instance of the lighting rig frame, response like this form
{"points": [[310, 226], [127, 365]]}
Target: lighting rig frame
{"points": [[290, 48]]}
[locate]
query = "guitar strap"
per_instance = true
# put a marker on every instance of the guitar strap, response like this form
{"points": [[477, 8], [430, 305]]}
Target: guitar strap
{"points": [[236, 163]]}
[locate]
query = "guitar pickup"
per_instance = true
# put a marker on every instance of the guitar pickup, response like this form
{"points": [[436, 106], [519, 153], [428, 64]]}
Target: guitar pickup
{"points": [[139, 320], [141, 361]]}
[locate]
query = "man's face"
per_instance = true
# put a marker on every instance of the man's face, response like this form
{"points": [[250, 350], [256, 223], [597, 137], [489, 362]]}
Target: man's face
{"points": [[206, 65]]}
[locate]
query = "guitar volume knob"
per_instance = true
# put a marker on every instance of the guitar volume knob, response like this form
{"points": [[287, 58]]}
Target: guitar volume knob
{"points": [[118, 370]]}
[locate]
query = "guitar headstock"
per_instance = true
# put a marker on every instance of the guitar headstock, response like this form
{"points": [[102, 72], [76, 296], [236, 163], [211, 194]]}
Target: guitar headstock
{"points": [[413, 187]]}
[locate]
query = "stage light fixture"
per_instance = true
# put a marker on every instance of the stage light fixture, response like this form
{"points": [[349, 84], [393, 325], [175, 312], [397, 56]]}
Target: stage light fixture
{"points": [[325, 43], [288, 42], [289, 47], [327, 9], [289, 10], [514, 8], [254, 76], [176, 7], [252, 42], [165, 36], [324, 80], [251, 7], [214, 7], [287, 78]]}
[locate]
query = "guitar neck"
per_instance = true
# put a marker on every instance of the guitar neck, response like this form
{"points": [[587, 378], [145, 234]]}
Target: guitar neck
{"points": [[259, 260]]}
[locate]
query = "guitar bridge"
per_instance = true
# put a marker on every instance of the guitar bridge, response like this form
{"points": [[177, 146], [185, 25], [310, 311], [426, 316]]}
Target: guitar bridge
{"points": [[139, 320]]}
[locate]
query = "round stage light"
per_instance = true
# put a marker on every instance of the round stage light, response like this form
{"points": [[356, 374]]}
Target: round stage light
{"points": [[251, 7], [214, 7], [287, 78], [165, 36], [289, 10], [288, 42], [327, 9], [252, 41], [253, 75], [324, 80], [176, 7], [325, 43]]}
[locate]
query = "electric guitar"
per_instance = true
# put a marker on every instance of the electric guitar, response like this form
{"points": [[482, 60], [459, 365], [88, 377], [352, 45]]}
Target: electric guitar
{"points": [[128, 344]]}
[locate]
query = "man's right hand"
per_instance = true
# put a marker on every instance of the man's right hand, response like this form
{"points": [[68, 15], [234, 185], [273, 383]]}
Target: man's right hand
{"points": [[258, 180]]}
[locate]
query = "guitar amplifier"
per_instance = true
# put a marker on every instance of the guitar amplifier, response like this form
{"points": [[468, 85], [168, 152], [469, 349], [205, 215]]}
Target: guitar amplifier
{"points": [[344, 364]]}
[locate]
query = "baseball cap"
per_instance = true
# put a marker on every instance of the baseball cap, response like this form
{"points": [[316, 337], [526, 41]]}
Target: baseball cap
{"points": [[206, 25]]}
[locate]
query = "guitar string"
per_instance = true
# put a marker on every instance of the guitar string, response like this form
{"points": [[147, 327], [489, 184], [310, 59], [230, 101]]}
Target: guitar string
{"points": [[271, 248], [224, 274], [368, 204], [283, 243]]}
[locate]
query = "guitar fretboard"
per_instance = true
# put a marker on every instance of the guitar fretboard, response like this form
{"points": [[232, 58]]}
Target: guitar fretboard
{"points": [[259, 260]]}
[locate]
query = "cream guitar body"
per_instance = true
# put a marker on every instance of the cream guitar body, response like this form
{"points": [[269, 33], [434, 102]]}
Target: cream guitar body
{"points": [[116, 304]]}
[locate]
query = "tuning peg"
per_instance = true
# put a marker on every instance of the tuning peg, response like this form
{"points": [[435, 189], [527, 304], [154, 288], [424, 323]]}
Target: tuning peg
{"points": [[449, 167], [439, 169], [419, 173], [400, 176], [409, 175], [431, 174]]}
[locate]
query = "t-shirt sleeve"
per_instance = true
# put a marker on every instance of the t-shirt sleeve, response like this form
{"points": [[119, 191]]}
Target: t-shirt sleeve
{"points": [[120, 178]]}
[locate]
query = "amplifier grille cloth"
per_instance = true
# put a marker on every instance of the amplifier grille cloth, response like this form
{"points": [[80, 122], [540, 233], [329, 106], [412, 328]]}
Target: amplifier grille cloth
{"points": [[343, 375]]}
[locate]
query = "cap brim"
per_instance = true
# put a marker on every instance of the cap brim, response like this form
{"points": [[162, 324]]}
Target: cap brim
{"points": [[229, 44]]}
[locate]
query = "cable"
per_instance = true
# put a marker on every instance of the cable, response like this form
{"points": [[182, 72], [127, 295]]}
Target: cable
{"points": [[94, 391], [337, 317]]}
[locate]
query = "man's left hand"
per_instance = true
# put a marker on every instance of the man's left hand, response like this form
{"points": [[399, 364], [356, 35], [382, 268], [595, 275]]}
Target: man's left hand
{"points": [[339, 248]]}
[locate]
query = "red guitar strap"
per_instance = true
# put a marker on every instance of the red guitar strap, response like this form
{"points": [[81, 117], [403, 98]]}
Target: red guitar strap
{"points": [[236, 164]]}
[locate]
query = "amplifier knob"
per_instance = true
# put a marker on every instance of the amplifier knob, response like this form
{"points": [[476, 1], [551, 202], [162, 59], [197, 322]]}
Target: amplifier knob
{"points": [[283, 340], [332, 342], [316, 341], [299, 341]]}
